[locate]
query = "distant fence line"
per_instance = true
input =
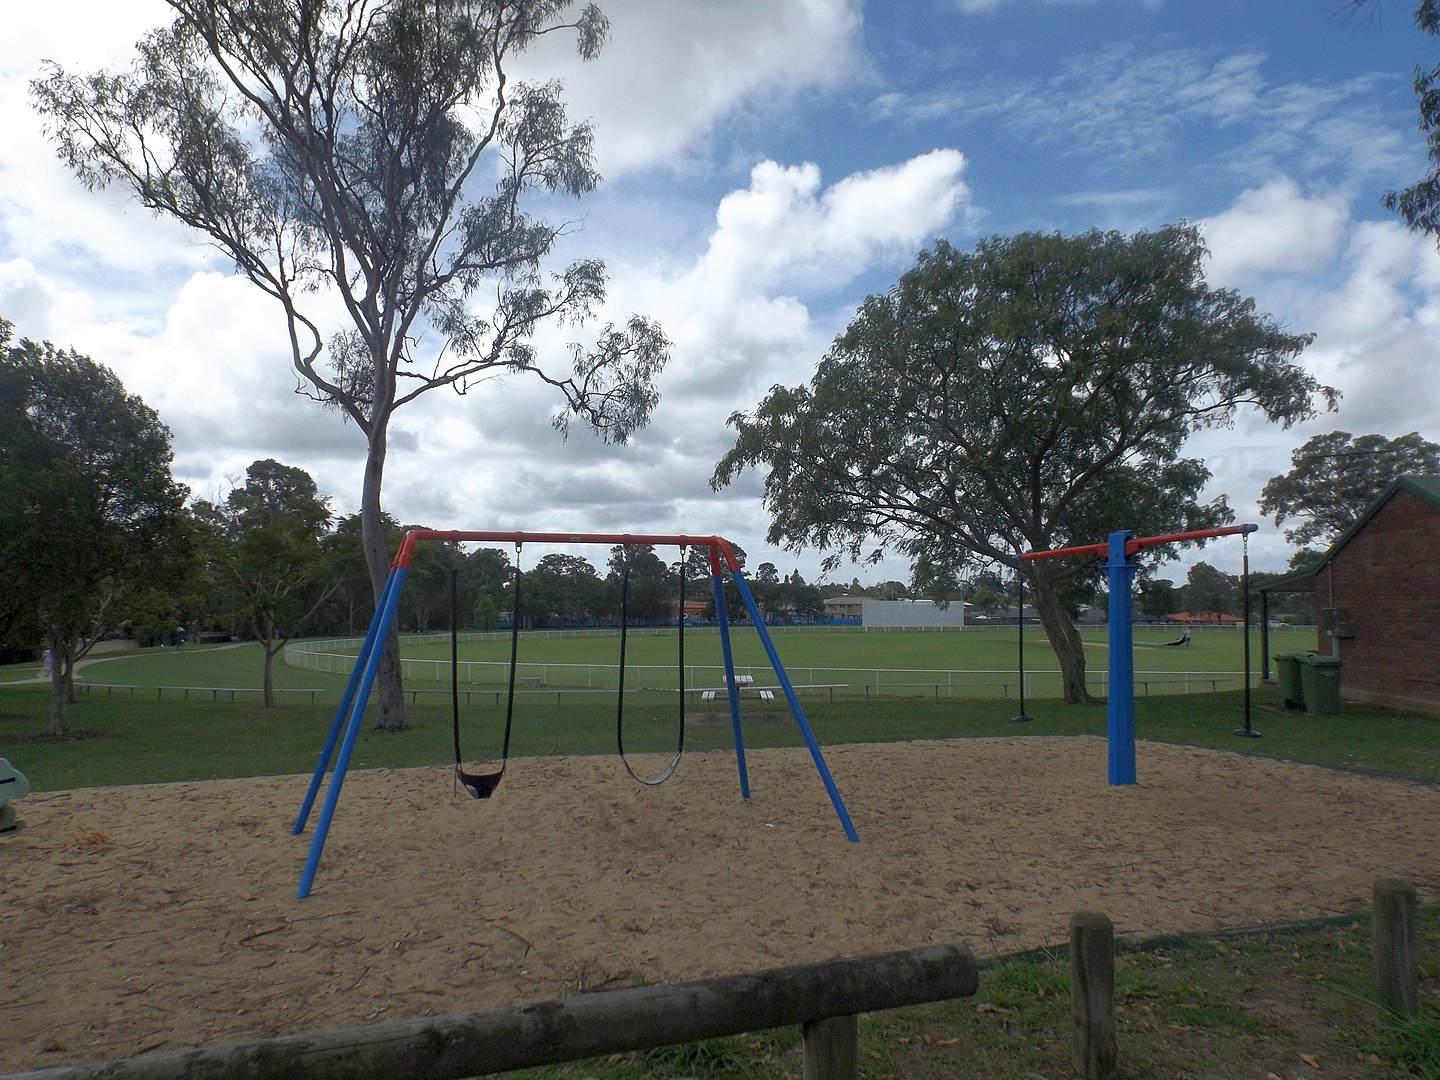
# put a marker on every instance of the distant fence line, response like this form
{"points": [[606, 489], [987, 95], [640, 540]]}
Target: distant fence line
{"points": [[334, 656]]}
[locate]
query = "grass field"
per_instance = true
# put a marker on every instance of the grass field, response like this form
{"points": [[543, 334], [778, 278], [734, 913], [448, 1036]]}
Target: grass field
{"points": [[969, 662], [148, 734]]}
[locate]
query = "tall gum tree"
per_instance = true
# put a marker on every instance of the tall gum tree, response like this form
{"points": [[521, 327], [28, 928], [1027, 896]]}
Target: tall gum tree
{"points": [[374, 153], [1028, 395]]}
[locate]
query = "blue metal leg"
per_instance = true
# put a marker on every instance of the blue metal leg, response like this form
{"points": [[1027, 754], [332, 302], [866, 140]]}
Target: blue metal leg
{"points": [[731, 690], [342, 712], [332, 794], [795, 708]]}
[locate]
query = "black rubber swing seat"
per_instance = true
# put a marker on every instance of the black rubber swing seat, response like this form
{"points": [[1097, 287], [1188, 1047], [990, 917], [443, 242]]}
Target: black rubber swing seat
{"points": [[479, 785], [482, 785]]}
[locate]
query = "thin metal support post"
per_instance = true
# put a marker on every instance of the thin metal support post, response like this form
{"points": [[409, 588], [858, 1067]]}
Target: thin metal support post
{"points": [[384, 617], [346, 700], [1264, 636], [1022, 715], [795, 709], [732, 692], [1247, 731], [1120, 569]]}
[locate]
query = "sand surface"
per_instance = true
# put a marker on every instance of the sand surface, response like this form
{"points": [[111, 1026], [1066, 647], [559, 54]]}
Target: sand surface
{"points": [[164, 916]]}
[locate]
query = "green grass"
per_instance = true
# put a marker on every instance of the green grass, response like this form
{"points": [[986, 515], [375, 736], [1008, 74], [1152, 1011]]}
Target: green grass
{"points": [[1292, 1002], [970, 662], [142, 736]]}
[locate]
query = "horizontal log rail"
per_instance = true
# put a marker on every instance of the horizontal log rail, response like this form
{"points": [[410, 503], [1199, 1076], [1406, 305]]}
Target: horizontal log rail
{"points": [[568, 1029]]}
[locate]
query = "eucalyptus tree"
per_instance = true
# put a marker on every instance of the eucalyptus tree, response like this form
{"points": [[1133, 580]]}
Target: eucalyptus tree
{"points": [[373, 157], [1419, 204], [1032, 394], [1335, 477]]}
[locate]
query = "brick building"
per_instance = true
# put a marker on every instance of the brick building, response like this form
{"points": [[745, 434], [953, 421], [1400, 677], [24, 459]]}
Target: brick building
{"points": [[1377, 599]]}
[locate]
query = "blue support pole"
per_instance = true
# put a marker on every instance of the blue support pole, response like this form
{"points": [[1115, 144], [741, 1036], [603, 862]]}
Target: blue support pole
{"points": [[346, 700], [795, 708], [1120, 570], [383, 618], [731, 690]]}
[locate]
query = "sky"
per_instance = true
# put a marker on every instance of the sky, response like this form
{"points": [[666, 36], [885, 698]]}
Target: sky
{"points": [[768, 164]]}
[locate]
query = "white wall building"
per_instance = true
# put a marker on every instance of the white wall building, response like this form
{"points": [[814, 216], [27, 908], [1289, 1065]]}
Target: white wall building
{"points": [[892, 613]]}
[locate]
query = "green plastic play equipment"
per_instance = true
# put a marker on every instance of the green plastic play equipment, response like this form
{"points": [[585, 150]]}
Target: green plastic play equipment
{"points": [[13, 785]]}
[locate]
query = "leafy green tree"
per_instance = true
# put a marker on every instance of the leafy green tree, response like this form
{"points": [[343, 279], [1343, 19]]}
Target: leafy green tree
{"points": [[1210, 593], [485, 576], [1034, 393], [337, 151], [352, 604], [653, 588], [1156, 598], [94, 525], [1336, 477], [984, 601], [1419, 204], [425, 603], [765, 587], [267, 556], [563, 589], [801, 598]]}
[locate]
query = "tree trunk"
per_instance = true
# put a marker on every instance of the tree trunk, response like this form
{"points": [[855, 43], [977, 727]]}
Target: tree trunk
{"points": [[59, 689], [391, 703], [1060, 629], [267, 680]]}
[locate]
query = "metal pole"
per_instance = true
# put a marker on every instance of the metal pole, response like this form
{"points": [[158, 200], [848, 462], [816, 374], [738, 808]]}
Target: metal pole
{"points": [[1247, 731], [1121, 709], [1020, 646], [383, 618], [732, 692], [824, 770], [371, 643]]}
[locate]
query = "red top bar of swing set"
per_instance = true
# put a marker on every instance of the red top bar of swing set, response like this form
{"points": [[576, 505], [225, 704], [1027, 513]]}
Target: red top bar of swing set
{"points": [[1136, 543], [714, 543]]}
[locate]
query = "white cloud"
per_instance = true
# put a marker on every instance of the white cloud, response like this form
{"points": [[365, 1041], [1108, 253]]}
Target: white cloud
{"points": [[1271, 228], [671, 72]]}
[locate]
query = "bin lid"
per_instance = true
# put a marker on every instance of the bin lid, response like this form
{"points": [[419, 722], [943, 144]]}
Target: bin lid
{"points": [[1316, 660]]}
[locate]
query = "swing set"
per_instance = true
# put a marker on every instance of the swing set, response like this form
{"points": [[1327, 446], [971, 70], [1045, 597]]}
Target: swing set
{"points": [[1120, 570], [346, 725]]}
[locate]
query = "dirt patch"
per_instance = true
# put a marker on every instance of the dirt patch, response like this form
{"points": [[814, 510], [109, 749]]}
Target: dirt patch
{"points": [[164, 916]]}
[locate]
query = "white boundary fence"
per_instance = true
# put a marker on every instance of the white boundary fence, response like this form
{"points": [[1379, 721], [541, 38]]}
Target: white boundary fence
{"points": [[337, 656]]}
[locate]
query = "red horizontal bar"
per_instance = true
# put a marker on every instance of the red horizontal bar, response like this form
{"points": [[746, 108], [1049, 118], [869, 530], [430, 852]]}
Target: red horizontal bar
{"points": [[714, 543], [1134, 544]]}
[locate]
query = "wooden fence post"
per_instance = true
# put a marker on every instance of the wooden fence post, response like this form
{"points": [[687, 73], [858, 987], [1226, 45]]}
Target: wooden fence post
{"points": [[1396, 977], [1092, 994], [832, 1049]]}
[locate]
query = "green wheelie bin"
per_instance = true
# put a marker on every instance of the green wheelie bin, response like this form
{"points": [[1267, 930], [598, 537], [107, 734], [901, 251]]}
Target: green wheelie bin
{"points": [[1320, 683], [1287, 674]]}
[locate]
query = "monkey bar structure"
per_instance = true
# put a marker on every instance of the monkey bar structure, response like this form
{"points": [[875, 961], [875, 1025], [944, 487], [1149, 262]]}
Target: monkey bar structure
{"points": [[346, 725], [1120, 569]]}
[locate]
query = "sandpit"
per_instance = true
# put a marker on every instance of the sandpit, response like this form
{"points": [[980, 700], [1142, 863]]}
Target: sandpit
{"points": [[164, 916]]}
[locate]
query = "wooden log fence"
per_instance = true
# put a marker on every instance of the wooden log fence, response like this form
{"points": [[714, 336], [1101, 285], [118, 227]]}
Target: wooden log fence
{"points": [[1397, 977], [824, 1000]]}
